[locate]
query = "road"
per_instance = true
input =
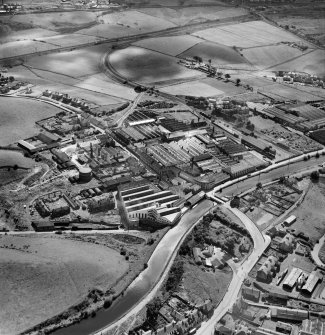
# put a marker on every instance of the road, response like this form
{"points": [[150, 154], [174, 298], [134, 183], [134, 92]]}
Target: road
{"points": [[130, 109], [287, 170], [261, 242]]}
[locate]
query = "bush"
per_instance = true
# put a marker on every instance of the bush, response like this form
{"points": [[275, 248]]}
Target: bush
{"points": [[107, 303]]}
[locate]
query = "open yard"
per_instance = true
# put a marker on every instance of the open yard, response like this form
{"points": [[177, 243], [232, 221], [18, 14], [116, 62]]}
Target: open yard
{"points": [[147, 66], [43, 276], [172, 45], [18, 117], [247, 34], [218, 53]]}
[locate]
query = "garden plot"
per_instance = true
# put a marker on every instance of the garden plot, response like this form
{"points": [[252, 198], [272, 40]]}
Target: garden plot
{"points": [[194, 88], [20, 48], [312, 63], [219, 54], [101, 86], [247, 34], [182, 16], [76, 63], [147, 66], [172, 46], [267, 56]]}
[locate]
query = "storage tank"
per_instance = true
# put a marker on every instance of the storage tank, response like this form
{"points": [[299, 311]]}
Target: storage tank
{"points": [[85, 174]]}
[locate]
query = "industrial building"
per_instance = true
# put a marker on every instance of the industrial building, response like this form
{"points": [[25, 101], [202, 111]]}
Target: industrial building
{"points": [[312, 281], [292, 278], [139, 198]]}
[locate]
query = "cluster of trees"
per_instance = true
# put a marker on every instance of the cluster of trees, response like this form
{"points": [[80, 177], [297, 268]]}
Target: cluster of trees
{"points": [[235, 202], [153, 308], [175, 276]]}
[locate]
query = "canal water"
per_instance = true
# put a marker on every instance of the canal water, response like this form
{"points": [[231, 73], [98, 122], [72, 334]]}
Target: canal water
{"points": [[146, 280]]}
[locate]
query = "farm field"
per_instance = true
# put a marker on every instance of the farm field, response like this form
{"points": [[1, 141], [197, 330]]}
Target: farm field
{"points": [[247, 34], [288, 92], [172, 46], [112, 89], [310, 214], [19, 48], [68, 40], [27, 34], [126, 23], [194, 88], [147, 66], [18, 117], [228, 89], [182, 16], [312, 63], [56, 21], [76, 63], [219, 54], [270, 55], [47, 275]]}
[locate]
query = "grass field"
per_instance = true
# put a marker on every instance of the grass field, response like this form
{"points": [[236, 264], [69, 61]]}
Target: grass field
{"points": [[288, 92], [147, 66], [68, 40], [310, 214], [42, 276], [57, 21], [126, 23], [18, 48], [18, 117], [219, 54], [172, 46], [270, 55], [227, 88], [113, 89], [312, 63], [182, 16], [27, 34], [76, 63], [194, 88], [247, 34]]}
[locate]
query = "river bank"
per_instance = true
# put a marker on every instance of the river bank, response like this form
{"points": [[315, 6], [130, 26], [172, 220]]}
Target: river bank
{"points": [[97, 298]]}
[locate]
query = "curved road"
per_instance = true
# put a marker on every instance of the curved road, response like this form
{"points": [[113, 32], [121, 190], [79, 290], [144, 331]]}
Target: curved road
{"points": [[261, 242]]}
